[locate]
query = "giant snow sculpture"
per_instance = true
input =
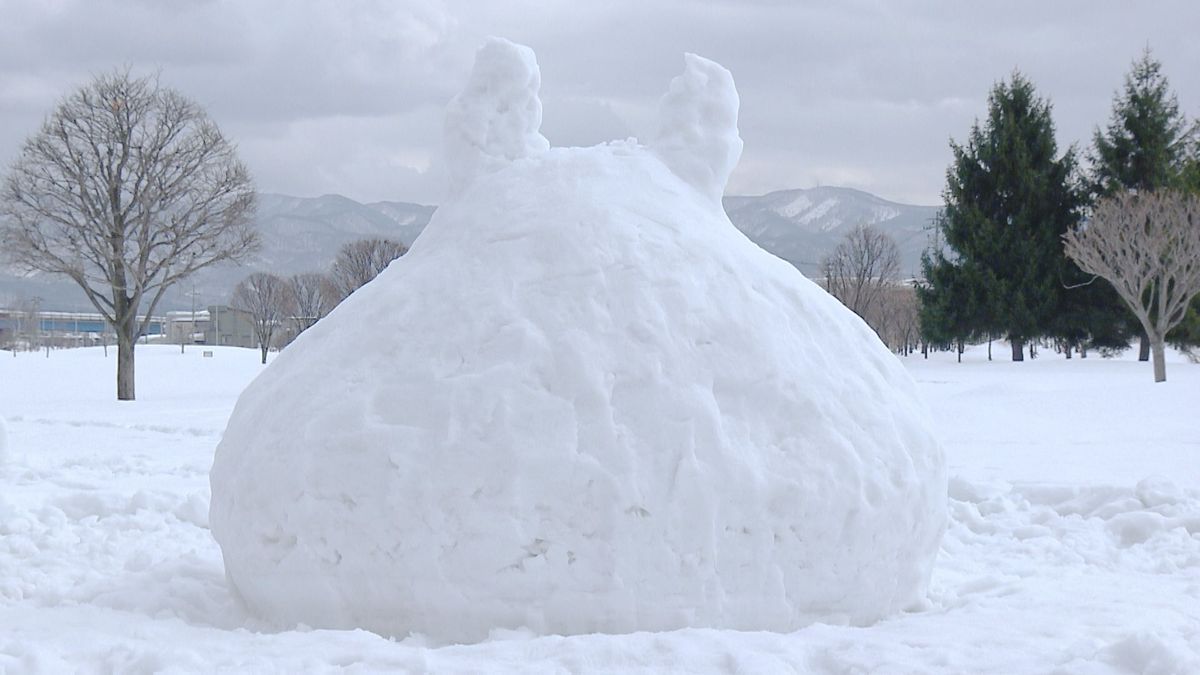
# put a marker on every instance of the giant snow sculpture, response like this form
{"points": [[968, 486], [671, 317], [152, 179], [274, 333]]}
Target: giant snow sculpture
{"points": [[582, 402]]}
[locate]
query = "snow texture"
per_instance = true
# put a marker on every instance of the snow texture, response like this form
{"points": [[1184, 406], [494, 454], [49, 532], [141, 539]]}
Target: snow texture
{"points": [[698, 137], [3, 443], [496, 118], [583, 402], [107, 563]]}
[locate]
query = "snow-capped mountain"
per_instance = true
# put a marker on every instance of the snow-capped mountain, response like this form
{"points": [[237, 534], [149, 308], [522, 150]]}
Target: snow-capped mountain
{"points": [[802, 226], [302, 234]]}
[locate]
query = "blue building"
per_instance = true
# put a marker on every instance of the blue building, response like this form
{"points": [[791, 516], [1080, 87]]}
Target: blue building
{"points": [[62, 329]]}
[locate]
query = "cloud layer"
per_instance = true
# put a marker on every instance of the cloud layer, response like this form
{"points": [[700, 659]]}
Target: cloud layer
{"points": [[324, 96]]}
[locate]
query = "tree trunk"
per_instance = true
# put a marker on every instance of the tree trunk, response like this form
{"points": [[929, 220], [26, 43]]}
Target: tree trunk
{"points": [[1018, 349], [1067, 350], [1160, 365], [1144, 348], [125, 345], [960, 350], [989, 349], [263, 349]]}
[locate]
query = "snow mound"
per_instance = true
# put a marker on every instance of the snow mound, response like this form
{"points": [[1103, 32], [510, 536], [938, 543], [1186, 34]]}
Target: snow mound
{"points": [[583, 402]]}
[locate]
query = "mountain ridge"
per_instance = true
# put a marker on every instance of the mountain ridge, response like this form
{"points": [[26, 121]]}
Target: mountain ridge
{"points": [[302, 234]]}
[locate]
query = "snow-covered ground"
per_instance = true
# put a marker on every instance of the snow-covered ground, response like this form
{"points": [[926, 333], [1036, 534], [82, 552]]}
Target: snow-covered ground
{"points": [[1073, 547]]}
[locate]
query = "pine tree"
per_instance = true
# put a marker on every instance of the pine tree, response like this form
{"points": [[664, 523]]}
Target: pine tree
{"points": [[1187, 334], [1147, 145], [1148, 142], [951, 305], [1009, 198]]}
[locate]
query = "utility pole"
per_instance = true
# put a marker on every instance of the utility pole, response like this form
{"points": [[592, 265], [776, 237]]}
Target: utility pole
{"points": [[39, 326], [192, 326]]}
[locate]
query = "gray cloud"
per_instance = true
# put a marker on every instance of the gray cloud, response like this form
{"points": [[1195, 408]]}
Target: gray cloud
{"points": [[326, 96]]}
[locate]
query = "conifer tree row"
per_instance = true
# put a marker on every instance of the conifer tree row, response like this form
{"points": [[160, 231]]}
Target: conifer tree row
{"points": [[999, 269]]}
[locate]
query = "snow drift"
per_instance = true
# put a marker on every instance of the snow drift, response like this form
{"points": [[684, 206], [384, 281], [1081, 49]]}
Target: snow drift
{"points": [[583, 402]]}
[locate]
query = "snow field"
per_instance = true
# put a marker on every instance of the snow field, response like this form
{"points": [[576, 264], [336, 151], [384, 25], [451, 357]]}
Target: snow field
{"points": [[1049, 565]]}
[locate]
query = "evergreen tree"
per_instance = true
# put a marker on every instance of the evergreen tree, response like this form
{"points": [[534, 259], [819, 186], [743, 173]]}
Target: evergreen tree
{"points": [[1147, 145], [951, 307], [1009, 198], [1187, 334]]}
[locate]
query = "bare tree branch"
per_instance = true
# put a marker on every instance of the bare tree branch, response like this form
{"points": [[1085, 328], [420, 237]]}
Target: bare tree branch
{"points": [[268, 300], [860, 268], [1147, 245], [358, 262], [313, 296], [127, 188]]}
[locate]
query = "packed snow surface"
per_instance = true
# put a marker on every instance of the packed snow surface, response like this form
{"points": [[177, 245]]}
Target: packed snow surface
{"points": [[1073, 543], [583, 402]]}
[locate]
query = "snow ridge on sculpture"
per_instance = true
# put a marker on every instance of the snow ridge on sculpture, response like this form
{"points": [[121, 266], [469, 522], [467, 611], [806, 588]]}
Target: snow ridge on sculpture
{"points": [[582, 402], [496, 117], [697, 136]]}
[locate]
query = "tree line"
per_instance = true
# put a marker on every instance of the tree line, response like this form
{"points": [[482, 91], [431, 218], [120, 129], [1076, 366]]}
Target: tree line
{"points": [[281, 308], [1031, 245], [129, 187]]}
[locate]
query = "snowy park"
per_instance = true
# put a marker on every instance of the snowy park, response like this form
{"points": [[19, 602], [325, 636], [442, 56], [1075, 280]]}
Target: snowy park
{"points": [[595, 412], [1073, 542]]}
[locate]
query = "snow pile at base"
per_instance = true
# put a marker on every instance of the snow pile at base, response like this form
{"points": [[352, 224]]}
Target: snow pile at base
{"points": [[583, 402]]}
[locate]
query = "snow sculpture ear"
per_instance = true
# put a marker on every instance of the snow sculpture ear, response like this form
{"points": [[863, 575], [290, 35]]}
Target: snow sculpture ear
{"points": [[697, 136], [496, 117]]}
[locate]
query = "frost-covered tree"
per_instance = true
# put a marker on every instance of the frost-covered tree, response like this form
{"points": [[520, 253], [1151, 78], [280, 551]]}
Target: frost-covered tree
{"points": [[1147, 245], [127, 189], [267, 299]]}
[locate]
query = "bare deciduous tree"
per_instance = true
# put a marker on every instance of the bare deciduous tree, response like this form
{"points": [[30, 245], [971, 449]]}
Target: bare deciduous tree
{"points": [[896, 318], [128, 188], [1147, 245], [268, 300], [860, 268], [360, 261], [313, 296]]}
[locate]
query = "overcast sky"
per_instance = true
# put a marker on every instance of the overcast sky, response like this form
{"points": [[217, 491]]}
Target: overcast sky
{"points": [[347, 96]]}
